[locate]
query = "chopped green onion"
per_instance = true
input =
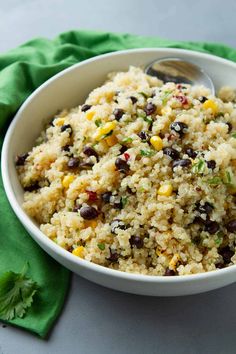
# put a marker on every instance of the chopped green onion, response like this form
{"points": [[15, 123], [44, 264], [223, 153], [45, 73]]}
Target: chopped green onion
{"points": [[101, 246], [147, 153], [165, 97], [233, 135], [124, 201], [215, 181], [98, 122], [141, 114], [126, 141], [148, 119], [145, 95], [199, 166]]}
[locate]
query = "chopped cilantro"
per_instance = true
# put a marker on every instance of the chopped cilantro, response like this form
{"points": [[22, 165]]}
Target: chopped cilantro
{"points": [[145, 95], [98, 122], [147, 153], [199, 166], [215, 181], [124, 201], [148, 119], [101, 246], [126, 141], [165, 97], [219, 238], [16, 294], [106, 135], [233, 135]]}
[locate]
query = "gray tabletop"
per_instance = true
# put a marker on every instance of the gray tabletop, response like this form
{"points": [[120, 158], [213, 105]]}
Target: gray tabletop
{"points": [[95, 319]]}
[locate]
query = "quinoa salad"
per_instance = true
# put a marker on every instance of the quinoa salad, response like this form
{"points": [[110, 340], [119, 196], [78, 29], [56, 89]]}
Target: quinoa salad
{"points": [[140, 178]]}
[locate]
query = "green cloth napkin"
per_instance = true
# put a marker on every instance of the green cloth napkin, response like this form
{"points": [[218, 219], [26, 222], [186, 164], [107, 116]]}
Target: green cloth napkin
{"points": [[22, 70]]}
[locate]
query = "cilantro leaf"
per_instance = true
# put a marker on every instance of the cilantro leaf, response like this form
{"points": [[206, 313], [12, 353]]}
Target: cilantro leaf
{"points": [[215, 181], [233, 135], [101, 246], [148, 153], [199, 166], [16, 294], [98, 122], [126, 140], [124, 201]]}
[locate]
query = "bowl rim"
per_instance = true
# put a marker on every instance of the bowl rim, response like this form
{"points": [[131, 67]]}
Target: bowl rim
{"points": [[40, 237]]}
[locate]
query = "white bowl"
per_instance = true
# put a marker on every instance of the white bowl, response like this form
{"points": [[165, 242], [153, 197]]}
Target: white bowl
{"points": [[67, 89]]}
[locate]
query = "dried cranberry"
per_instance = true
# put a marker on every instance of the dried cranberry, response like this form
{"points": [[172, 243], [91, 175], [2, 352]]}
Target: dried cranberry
{"points": [[127, 156], [92, 196]]}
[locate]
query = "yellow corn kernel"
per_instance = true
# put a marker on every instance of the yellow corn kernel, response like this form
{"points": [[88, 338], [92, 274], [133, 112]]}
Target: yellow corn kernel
{"points": [[79, 251], [107, 128], [67, 180], [165, 190], [111, 140], [156, 142], [91, 223], [174, 260], [210, 104], [89, 115], [165, 111], [59, 122]]}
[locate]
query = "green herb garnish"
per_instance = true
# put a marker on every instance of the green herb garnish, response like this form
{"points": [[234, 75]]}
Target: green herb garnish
{"points": [[16, 294], [126, 141], [219, 238], [141, 114], [145, 95], [165, 97], [124, 201], [98, 122], [233, 135], [147, 153], [101, 246], [215, 181], [148, 119], [199, 166]]}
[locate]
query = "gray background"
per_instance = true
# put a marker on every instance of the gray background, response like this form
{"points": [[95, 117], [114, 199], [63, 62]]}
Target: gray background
{"points": [[95, 319]]}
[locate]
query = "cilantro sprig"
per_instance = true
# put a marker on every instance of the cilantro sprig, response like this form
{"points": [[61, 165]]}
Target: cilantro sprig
{"points": [[16, 294]]}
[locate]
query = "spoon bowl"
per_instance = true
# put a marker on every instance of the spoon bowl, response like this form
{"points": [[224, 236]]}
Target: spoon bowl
{"points": [[179, 71]]}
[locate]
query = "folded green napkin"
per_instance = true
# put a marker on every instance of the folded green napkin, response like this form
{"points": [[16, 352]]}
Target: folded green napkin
{"points": [[22, 70]]}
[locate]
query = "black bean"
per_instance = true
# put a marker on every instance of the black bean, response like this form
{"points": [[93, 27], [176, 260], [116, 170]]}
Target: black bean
{"points": [[85, 107], [86, 165], [136, 241], [121, 165], [226, 254], [150, 108], [179, 127], [174, 154], [205, 208], [182, 163], [118, 204], [211, 164], [77, 208], [231, 226], [88, 212], [144, 136], [113, 256], [73, 162], [133, 99], [89, 151], [118, 113], [31, 188], [117, 224], [20, 159], [230, 127], [66, 148], [191, 153], [123, 149], [219, 265], [169, 272], [202, 99], [212, 227], [66, 127], [106, 197], [199, 220]]}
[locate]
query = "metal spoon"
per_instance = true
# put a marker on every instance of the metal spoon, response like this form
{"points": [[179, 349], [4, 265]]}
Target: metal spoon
{"points": [[179, 71]]}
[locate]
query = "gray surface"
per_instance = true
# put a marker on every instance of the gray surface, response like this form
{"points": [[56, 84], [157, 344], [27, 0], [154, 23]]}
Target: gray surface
{"points": [[95, 319]]}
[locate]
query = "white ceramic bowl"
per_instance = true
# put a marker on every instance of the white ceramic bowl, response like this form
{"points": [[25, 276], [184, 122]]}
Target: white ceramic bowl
{"points": [[67, 89]]}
